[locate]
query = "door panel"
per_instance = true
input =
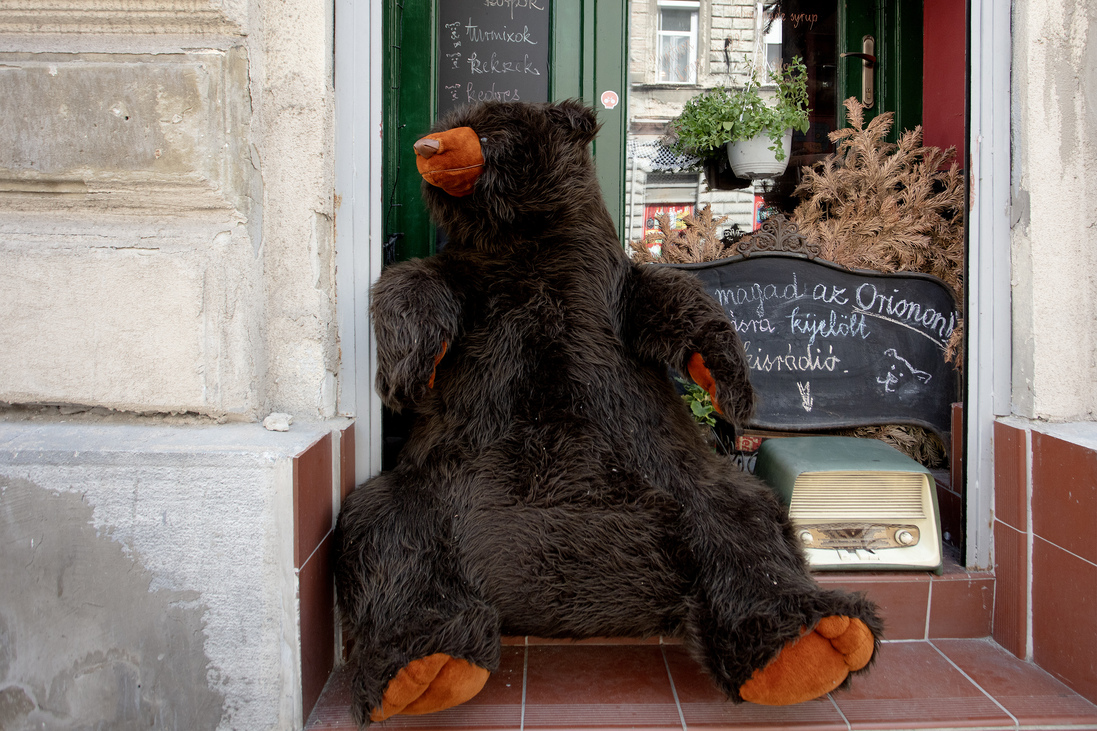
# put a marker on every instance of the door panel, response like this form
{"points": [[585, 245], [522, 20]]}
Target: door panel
{"points": [[896, 27]]}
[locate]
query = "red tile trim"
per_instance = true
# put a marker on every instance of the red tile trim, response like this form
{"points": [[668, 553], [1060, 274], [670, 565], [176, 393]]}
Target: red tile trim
{"points": [[316, 594], [961, 607], [1064, 616], [312, 495], [1011, 589], [1064, 494], [346, 462], [1011, 476]]}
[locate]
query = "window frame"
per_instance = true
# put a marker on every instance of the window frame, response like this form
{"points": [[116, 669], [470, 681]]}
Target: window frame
{"points": [[693, 35]]}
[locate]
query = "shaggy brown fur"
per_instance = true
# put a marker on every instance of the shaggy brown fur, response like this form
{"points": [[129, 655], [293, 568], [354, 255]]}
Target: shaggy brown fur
{"points": [[554, 485]]}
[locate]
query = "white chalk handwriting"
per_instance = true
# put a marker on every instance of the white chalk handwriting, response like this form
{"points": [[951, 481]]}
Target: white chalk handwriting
{"points": [[476, 34], [513, 5], [875, 302], [496, 65], [758, 360], [483, 95]]}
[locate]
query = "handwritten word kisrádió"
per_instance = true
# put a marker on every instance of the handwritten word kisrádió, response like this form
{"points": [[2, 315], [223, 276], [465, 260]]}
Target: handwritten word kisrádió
{"points": [[758, 360]]}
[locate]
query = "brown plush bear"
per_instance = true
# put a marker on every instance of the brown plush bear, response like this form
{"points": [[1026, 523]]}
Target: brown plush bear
{"points": [[554, 484]]}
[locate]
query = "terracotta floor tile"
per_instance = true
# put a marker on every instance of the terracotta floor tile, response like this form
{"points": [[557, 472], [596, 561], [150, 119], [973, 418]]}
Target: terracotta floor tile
{"points": [[607, 686], [913, 686], [1030, 694], [593, 641], [961, 607], [903, 600], [705, 707]]}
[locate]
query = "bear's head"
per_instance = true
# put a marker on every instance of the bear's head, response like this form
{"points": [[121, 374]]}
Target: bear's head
{"points": [[508, 168]]}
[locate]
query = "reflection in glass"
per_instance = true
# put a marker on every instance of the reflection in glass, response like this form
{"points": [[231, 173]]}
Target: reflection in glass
{"points": [[678, 48]]}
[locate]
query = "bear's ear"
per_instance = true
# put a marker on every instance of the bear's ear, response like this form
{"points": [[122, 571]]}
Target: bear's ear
{"points": [[576, 117]]}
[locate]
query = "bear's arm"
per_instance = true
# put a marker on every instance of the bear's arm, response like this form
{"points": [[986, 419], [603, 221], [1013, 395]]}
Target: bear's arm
{"points": [[416, 315], [671, 320]]}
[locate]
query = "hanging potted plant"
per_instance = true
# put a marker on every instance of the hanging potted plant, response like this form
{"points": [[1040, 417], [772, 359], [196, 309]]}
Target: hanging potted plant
{"points": [[756, 132]]}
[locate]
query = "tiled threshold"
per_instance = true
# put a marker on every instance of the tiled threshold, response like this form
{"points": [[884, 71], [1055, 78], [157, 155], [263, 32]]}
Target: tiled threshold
{"points": [[924, 684], [920, 681]]}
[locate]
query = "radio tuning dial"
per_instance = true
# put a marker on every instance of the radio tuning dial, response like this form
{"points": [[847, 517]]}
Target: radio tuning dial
{"points": [[904, 537], [806, 538]]}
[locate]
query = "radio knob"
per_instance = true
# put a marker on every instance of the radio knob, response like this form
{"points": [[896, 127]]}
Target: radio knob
{"points": [[806, 538], [904, 537]]}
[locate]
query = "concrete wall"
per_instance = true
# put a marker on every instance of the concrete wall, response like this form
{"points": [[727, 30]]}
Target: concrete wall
{"points": [[166, 215], [149, 575], [1054, 234]]}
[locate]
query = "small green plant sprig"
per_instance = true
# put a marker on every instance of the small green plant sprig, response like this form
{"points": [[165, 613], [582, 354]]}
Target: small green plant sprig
{"points": [[699, 402], [717, 116]]}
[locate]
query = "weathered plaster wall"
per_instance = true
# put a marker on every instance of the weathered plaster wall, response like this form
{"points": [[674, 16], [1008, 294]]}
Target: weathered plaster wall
{"points": [[166, 224], [148, 577], [293, 90], [1054, 187]]}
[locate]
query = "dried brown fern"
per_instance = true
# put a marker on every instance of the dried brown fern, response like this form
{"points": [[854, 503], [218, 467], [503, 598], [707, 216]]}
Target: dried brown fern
{"points": [[887, 207], [700, 240]]}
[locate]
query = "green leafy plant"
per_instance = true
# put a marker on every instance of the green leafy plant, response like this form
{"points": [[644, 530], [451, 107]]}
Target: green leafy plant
{"points": [[699, 402], [717, 116]]}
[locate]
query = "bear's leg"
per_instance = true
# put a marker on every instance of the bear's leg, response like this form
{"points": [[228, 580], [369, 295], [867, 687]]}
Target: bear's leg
{"points": [[766, 631], [420, 638]]}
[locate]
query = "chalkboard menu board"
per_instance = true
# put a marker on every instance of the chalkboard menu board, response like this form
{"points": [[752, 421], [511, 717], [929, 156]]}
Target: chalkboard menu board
{"points": [[828, 347], [492, 49]]}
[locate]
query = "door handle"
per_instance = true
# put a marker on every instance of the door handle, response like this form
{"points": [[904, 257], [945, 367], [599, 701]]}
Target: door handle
{"points": [[867, 55]]}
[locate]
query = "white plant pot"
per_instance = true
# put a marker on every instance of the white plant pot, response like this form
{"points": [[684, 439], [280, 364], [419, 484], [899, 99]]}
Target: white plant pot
{"points": [[753, 159]]}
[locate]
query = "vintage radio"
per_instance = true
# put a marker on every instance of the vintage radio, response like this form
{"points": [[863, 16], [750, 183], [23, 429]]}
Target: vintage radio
{"points": [[855, 503]]}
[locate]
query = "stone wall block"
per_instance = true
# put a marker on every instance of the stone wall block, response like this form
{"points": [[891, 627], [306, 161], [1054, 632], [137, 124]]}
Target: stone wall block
{"points": [[126, 132]]}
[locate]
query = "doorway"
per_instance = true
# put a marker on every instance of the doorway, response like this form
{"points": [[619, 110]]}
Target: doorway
{"points": [[871, 50]]}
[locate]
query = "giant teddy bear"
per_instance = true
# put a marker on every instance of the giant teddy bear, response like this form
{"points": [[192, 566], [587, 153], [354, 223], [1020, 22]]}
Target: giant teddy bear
{"points": [[554, 484]]}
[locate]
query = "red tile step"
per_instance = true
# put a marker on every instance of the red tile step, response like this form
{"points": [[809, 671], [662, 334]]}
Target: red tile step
{"points": [[924, 684]]}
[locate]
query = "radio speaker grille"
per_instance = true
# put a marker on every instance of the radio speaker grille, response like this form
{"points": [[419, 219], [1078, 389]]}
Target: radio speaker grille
{"points": [[849, 496]]}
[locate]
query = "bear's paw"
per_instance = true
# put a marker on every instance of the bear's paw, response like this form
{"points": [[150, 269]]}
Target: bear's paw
{"points": [[432, 683], [812, 666]]}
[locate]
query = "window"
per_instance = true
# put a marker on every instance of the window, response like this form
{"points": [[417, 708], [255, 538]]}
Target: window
{"points": [[771, 44], [677, 42]]}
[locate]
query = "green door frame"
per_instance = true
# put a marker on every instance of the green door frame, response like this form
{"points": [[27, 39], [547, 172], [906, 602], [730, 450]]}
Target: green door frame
{"points": [[587, 58], [600, 65]]}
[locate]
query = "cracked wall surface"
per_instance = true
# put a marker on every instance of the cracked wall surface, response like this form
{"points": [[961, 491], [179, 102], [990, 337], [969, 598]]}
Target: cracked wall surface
{"points": [[1054, 230]]}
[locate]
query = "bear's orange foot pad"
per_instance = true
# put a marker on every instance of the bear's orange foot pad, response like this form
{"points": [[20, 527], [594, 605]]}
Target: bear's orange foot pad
{"points": [[429, 684], [813, 665]]}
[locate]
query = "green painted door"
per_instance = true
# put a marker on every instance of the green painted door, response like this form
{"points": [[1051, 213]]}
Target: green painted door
{"points": [[894, 30], [586, 57]]}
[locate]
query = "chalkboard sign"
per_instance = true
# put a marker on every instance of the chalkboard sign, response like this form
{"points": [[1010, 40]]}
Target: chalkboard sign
{"points": [[492, 49], [829, 347]]}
